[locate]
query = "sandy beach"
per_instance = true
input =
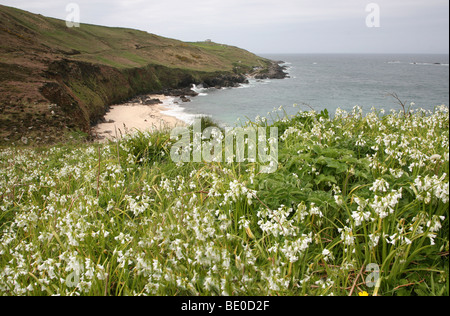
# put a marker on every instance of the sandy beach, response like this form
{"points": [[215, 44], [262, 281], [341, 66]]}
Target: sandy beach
{"points": [[128, 118]]}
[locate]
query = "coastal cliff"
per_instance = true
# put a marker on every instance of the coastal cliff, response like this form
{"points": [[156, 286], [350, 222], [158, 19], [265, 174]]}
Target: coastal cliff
{"points": [[56, 80]]}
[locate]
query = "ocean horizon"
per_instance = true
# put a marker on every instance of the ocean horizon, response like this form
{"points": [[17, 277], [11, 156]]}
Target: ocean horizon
{"points": [[327, 81]]}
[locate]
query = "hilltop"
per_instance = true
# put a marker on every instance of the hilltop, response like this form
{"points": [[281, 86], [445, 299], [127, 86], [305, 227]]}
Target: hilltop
{"points": [[56, 79]]}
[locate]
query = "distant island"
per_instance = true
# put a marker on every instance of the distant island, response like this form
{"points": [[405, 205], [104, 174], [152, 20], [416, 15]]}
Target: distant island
{"points": [[56, 79]]}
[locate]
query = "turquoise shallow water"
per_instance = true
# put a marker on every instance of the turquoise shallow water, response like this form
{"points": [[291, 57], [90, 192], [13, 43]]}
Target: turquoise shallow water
{"points": [[328, 82]]}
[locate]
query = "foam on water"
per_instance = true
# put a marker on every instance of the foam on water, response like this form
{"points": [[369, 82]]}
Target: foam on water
{"points": [[199, 89], [175, 110]]}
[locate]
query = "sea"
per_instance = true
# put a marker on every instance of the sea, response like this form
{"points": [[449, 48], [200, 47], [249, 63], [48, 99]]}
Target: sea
{"points": [[327, 81]]}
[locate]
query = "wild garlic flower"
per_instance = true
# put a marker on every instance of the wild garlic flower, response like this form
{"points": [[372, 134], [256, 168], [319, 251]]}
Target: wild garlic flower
{"points": [[379, 186], [384, 206], [347, 236], [327, 255], [428, 187]]}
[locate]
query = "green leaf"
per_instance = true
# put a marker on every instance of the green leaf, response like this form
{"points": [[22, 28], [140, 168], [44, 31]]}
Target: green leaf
{"points": [[324, 178], [340, 167]]}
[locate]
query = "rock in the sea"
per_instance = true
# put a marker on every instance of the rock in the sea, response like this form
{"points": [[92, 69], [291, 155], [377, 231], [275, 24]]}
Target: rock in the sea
{"points": [[185, 99], [151, 102], [179, 92], [225, 80], [275, 71]]}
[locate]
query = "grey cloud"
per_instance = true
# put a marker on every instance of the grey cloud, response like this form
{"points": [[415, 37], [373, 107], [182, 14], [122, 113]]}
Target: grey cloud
{"points": [[273, 26]]}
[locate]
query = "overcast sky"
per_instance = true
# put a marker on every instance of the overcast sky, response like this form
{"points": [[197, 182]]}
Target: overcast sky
{"points": [[267, 26]]}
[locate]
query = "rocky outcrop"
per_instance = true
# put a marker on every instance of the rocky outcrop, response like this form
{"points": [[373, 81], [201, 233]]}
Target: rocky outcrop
{"points": [[179, 92], [273, 71], [217, 81], [144, 100], [225, 80]]}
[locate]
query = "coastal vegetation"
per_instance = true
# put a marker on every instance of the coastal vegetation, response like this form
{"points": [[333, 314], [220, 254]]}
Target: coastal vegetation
{"points": [[359, 205]]}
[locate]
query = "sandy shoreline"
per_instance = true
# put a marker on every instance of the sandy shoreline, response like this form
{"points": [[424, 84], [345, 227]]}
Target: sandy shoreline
{"points": [[128, 118]]}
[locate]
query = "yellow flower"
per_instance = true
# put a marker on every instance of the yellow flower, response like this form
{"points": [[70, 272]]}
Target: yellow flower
{"points": [[363, 293]]}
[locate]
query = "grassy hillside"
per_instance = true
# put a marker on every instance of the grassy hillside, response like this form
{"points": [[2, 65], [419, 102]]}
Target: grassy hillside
{"points": [[79, 71], [117, 47]]}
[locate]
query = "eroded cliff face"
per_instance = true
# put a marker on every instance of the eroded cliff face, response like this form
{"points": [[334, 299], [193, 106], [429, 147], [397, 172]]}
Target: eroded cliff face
{"points": [[73, 95], [83, 91]]}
